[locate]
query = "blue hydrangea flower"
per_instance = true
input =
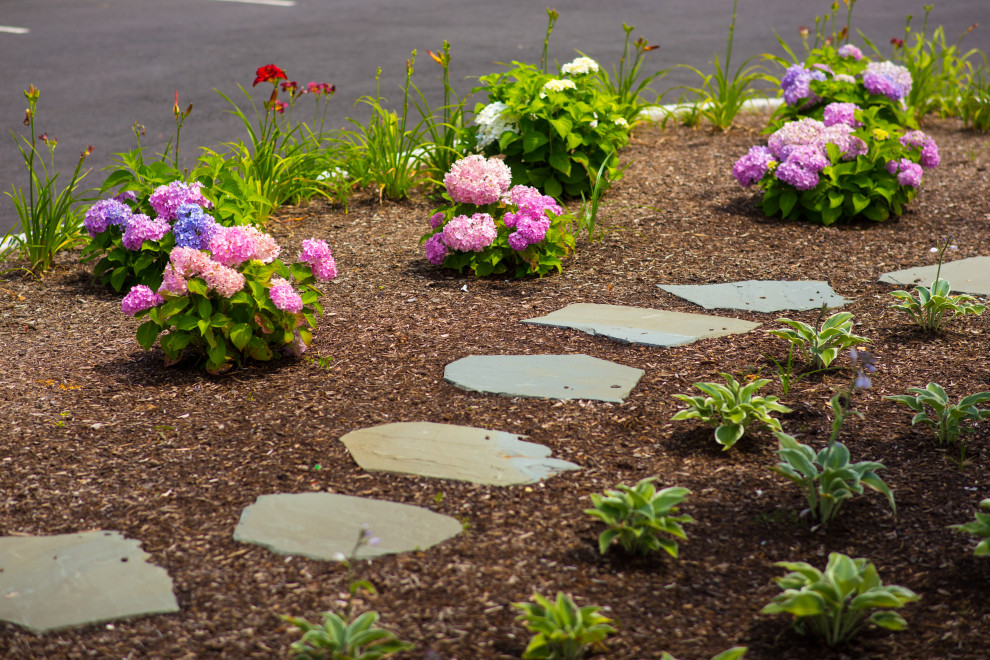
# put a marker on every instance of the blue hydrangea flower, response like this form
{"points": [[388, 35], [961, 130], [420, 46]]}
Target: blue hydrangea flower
{"points": [[192, 227]]}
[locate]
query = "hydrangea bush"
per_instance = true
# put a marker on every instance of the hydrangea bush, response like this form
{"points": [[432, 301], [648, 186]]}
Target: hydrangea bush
{"points": [[133, 247], [493, 228], [556, 132], [228, 298], [838, 168], [844, 75]]}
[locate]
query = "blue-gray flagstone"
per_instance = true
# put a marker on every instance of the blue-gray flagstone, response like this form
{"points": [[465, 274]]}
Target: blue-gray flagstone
{"points": [[54, 582], [449, 451], [544, 376], [638, 325], [326, 525], [759, 295], [970, 275]]}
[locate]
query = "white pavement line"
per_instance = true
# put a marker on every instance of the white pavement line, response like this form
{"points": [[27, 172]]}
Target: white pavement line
{"points": [[13, 30], [273, 3]]}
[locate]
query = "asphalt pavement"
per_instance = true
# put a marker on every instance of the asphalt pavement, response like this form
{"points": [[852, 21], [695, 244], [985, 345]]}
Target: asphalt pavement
{"points": [[102, 65]]}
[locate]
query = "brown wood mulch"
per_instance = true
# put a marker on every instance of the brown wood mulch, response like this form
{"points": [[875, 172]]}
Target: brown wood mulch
{"points": [[98, 434]]}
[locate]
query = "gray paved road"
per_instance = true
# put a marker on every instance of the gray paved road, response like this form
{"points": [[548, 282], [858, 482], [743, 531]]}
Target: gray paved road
{"points": [[102, 65]]}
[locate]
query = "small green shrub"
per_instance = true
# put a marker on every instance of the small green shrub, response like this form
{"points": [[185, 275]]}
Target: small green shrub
{"points": [[732, 408], [563, 630], [931, 406], [821, 346], [838, 603], [827, 478], [979, 527], [338, 639], [637, 516]]}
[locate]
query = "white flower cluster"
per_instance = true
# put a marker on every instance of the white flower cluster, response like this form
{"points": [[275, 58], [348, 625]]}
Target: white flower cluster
{"points": [[580, 66], [491, 123], [556, 85]]}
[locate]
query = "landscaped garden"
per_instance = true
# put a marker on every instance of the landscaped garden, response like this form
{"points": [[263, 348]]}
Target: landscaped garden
{"points": [[184, 343]]}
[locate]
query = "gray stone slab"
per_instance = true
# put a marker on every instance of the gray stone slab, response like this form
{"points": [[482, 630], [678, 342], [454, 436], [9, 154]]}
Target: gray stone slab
{"points": [[448, 451], [970, 275], [326, 525], [544, 376], [638, 325], [55, 582], [759, 295]]}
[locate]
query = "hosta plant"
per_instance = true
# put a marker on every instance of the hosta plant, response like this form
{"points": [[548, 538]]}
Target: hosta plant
{"points": [[838, 603], [732, 408], [554, 131], [820, 346], [826, 477], [494, 229], [233, 299], [563, 630], [979, 527], [931, 406], [338, 639], [935, 305], [843, 167], [734, 653], [637, 517]]}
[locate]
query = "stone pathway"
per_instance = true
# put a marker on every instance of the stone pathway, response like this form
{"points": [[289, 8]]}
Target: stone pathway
{"points": [[544, 376], [448, 451], [638, 325], [53, 582], [970, 275], [327, 525], [765, 296]]}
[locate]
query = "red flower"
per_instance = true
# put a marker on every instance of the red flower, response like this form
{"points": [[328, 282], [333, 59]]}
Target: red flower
{"points": [[269, 73], [898, 43], [280, 106], [322, 88]]}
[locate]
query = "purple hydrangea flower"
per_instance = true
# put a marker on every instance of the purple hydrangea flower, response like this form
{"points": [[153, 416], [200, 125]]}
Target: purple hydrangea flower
{"points": [[141, 228], [106, 213], [435, 249], [436, 220], [797, 176], [796, 84], [848, 50], [752, 167], [886, 78], [841, 113], [469, 233], [929, 155], [193, 228], [167, 199], [929, 150], [139, 299]]}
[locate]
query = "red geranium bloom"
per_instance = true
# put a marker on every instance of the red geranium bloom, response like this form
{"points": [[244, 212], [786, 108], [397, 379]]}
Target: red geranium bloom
{"points": [[269, 73]]}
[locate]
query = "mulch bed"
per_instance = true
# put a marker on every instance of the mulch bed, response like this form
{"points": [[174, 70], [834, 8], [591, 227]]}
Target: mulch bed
{"points": [[98, 434]]}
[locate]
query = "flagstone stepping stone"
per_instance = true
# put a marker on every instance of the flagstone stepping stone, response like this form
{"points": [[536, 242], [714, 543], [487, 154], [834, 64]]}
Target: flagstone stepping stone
{"points": [[327, 525], [54, 582], [970, 275], [448, 451], [638, 325], [544, 376], [759, 295]]}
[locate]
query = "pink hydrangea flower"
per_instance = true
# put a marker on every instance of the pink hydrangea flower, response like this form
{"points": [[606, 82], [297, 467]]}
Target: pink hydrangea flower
{"points": [[232, 246], [166, 200], [141, 228], [435, 249], [470, 233], [317, 254], [224, 280], [284, 296], [139, 299], [477, 180], [173, 281]]}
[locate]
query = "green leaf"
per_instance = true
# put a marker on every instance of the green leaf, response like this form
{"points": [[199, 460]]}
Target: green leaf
{"points": [[787, 201], [240, 335], [561, 163], [147, 333]]}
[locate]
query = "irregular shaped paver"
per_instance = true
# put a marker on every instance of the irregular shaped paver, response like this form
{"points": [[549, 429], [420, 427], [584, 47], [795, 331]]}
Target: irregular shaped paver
{"points": [[448, 451], [326, 525], [759, 295], [544, 376], [970, 275], [54, 582], [638, 325]]}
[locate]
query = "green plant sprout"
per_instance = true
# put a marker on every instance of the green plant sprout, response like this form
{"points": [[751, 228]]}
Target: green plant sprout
{"points": [[934, 305], [979, 527], [637, 516], [563, 630]]}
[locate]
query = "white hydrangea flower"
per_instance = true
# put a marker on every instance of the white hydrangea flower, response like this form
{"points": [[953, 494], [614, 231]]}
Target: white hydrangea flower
{"points": [[492, 122], [556, 85], [619, 121], [580, 66]]}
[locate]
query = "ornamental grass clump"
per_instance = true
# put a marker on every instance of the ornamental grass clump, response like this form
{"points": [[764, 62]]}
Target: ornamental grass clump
{"points": [[132, 246], [492, 228], [233, 299], [837, 169]]}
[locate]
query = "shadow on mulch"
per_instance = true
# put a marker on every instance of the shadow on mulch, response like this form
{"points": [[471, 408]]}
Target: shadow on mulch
{"points": [[700, 441]]}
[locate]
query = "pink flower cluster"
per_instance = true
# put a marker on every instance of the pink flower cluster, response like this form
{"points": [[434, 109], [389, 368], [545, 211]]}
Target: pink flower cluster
{"points": [[139, 299], [285, 296], [530, 221], [469, 233], [908, 173], [189, 262], [317, 254], [232, 246], [477, 180], [167, 199], [141, 228], [929, 150]]}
